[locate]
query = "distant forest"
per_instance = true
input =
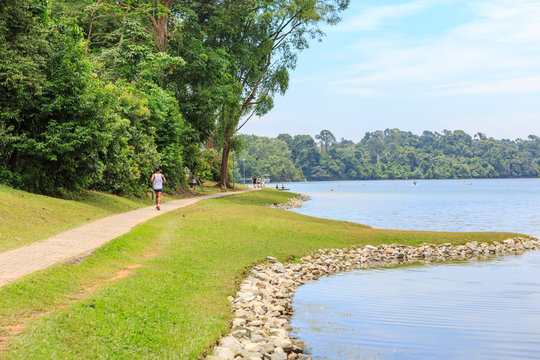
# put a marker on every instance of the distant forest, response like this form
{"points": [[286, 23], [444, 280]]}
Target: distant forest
{"points": [[388, 154]]}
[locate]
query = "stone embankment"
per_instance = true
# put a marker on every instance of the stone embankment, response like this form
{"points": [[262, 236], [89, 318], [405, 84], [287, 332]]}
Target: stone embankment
{"points": [[293, 203], [262, 308]]}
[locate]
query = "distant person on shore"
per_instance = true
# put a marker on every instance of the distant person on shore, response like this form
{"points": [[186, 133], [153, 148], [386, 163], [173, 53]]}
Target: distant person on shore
{"points": [[157, 185], [192, 180], [258, 181], [254, 180]]}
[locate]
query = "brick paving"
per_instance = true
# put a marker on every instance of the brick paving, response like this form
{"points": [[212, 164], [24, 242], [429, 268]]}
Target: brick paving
{"points": [[42, 254]]}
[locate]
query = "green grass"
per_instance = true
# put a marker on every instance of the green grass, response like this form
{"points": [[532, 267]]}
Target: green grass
{"points": [[27, 217], [175, 306]]}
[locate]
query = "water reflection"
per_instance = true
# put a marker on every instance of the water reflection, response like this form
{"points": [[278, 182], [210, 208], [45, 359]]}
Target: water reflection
{"points": [[475, 310]]}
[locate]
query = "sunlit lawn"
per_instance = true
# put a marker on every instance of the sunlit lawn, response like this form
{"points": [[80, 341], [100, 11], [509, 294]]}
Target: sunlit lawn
{"points": [[179, 269]]}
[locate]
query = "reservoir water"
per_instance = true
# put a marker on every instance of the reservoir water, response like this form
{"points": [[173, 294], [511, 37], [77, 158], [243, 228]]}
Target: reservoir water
{"points": [[484, 310], [511, 205], [471, 310]]}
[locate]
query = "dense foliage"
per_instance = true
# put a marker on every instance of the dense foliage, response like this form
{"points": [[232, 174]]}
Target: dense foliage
{"points": [[96, 93], [390, 154], [82, 104]]}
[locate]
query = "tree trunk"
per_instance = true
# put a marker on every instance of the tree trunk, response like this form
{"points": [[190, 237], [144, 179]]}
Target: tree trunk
{"points": [[210, 143], [224, 176], [161, 33]]}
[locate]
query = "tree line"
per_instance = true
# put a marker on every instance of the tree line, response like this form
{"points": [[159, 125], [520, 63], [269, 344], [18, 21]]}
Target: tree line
{"points": [[389, 154], [95, 93]]}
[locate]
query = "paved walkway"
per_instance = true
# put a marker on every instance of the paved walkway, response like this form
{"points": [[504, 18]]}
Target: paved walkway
{"points": [[42, 254]]}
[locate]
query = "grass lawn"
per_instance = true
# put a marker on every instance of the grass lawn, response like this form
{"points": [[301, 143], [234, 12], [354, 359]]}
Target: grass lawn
{"points": [[161, 290]]}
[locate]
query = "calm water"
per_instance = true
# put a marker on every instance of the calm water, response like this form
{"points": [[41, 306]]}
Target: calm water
{"points": [[476, 310], [444, 205]]}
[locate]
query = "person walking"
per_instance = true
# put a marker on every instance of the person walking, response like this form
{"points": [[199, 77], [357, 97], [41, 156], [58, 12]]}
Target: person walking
{"points": [[254, 180], [157, 184]]}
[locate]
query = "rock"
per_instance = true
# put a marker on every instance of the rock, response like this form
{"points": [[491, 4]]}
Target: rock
{"points": [[298, 345], [285, 344], [278, 356], [238, 322], [223, 353], [252, 347], [240, 333], [295, 202], [253, 356], [267, 348], [256, 323], [231, 343], [256, 338], [278, 267]]}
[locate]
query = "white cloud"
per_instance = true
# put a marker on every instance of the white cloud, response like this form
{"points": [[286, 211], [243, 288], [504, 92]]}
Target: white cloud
{"points": [[504, 21], [515, 86], [497, 52], [375, 18]]}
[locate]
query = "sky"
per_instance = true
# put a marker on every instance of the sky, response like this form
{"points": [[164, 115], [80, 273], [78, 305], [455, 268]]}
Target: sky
{"points": [[417, 65]]}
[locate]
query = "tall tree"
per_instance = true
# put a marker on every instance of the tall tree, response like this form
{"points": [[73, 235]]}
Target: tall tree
{"points": [[262, 40], [201, 85], [326, 138]]}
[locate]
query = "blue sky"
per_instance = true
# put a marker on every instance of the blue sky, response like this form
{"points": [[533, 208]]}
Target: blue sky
{"points": [[417, 65]]}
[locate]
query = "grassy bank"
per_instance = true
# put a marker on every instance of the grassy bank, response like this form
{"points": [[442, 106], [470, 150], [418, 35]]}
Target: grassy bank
{"points": [[27, 217], [161, 290]]}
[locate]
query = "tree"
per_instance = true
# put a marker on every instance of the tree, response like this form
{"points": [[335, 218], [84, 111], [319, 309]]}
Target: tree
{"points": [[326, 138], [288, 139], [305, 154], [268, 156], [201, 85], [262, 40]]}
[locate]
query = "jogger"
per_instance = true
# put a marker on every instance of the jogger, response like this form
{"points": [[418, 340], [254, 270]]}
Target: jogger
{"points": [[157, 184]]}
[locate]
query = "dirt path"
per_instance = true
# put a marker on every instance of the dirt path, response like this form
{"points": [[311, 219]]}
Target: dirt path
{"points": [[83, 239]]}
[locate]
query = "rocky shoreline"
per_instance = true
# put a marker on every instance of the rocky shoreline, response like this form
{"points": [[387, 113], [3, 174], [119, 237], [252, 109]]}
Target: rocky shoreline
{"points": [[260, 328], [293, 203]]}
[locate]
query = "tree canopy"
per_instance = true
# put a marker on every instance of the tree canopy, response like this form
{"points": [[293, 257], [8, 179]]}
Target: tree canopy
{"points": [[396, 154]]}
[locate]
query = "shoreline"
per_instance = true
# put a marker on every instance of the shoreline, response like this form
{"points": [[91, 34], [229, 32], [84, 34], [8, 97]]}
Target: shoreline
{"points": [[411, 179], [262, 308]]}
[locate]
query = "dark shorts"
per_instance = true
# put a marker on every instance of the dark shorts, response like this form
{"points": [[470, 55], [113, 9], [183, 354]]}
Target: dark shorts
{"points": [[158, 190]]}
